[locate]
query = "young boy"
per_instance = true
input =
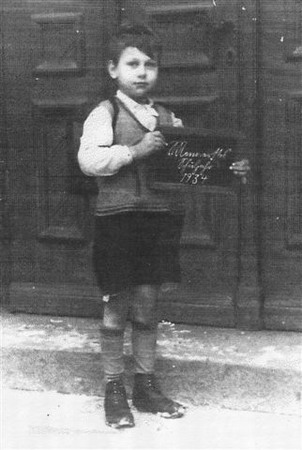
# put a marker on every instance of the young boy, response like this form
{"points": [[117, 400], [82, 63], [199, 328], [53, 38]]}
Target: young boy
{"points": [[137, 229]]}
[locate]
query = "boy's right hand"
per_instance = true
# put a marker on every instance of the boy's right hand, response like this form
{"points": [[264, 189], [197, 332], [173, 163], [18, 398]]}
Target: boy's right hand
{"points": [[152, 142]]}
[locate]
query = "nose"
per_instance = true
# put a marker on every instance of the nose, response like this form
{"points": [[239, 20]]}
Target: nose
{"points": [[142, 70]]}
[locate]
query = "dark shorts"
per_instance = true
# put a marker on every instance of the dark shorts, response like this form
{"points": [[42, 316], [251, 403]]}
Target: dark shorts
{"points": [[136, 248]]}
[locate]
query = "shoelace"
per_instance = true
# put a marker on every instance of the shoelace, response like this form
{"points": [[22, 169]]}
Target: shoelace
{"points": [[151, 383], [117, 393]]}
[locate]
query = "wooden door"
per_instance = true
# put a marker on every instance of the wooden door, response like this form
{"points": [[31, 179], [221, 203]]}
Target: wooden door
{"points": [[281, 80], [55, 72]]}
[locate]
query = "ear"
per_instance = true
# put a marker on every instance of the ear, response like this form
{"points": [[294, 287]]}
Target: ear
{"points": [[112, 69]]}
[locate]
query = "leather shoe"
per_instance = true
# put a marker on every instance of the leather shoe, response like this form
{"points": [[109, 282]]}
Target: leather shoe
{"points": [[147, 397], [117, 411]]}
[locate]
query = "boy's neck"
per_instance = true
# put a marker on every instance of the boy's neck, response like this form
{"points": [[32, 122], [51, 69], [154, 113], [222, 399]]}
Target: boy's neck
{"points": [[141, 101]]}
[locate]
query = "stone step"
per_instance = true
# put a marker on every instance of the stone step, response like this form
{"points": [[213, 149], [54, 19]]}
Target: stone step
{"points": [[212, 367]]}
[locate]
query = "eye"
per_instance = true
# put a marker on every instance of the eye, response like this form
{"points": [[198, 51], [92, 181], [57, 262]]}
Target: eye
{"points": [[152, 64], [133, 63]]}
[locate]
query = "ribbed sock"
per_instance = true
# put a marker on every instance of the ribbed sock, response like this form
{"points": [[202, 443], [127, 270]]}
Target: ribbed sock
{"points": [[144, 348], [112, 343]]}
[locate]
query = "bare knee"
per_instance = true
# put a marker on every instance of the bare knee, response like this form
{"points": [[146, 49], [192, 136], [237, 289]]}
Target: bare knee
{"points": [[144, 313], [115, 314]]}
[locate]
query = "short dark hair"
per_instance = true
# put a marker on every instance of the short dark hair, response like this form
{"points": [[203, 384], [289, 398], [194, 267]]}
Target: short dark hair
{"points": [[139, 36]]}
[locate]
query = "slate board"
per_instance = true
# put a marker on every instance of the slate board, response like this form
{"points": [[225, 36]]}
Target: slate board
{"points": [[195, 156]]}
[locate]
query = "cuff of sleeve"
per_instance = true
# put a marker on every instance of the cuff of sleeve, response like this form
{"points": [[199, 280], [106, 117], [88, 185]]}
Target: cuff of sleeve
{"points": [[123, 154], [128, 155]]}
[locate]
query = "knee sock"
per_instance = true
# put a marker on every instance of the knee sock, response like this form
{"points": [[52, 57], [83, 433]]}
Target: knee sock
{"points": [[144, 347], [112, 343]]}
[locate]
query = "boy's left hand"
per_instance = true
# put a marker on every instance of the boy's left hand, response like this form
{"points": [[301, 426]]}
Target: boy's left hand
{"points": [[241, 169]]}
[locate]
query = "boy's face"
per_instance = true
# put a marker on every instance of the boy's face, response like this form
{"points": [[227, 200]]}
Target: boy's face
{"points": [[136, 73]]}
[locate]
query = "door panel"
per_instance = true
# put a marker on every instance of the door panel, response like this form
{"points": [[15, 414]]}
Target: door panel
{"points": [[282, 87], [55, 74]]}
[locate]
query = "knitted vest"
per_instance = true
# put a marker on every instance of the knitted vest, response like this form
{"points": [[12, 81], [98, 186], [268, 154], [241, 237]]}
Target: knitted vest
{"points": [[131, 188]]}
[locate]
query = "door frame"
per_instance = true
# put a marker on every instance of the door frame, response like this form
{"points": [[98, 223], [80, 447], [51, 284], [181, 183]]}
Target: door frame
{"points": [[5, 220]]}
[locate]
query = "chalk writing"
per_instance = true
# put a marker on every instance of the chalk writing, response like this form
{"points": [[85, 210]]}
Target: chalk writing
{"points": [[194, 166]]}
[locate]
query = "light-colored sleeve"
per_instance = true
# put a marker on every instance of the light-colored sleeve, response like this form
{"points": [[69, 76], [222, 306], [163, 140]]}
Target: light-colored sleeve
{"points": [[97, 156], [176, 122]]}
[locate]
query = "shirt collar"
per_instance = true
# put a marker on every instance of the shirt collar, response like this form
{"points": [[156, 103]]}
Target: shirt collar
{"points": [[133, 105]]}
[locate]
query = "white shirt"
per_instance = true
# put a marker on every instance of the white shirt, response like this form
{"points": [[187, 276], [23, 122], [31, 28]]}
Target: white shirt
{"points": [[97, 156]]}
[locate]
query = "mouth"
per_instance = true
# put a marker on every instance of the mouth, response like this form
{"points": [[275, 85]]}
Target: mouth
{"points": [[141, 84]]}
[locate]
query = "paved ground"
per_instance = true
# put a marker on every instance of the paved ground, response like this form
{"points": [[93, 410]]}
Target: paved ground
{"points": [[243, 389], [48, 420]]}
